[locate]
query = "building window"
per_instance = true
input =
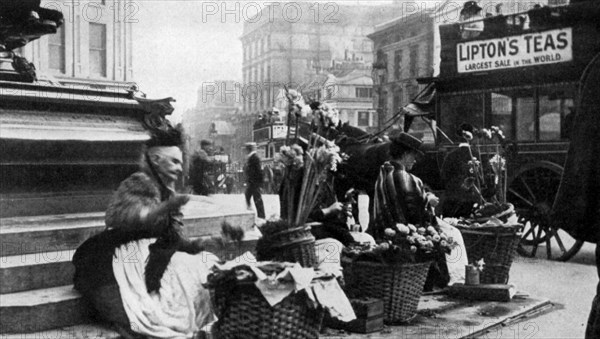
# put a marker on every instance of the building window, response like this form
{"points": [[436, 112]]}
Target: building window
{"points": [[56, 47], [414, 56], [397, 65], [364, 92], [98, 49], [397, 100], [330, 91], [363, 118]]}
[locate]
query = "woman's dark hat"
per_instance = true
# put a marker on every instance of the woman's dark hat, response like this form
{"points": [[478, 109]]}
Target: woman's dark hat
{"points": [[470, 7], [165, 138], [406, 141], [162, 133], [315, 105]]}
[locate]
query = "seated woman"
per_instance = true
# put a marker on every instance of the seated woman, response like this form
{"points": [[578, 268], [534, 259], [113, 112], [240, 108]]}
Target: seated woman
{"points": [[402, 193], [332, 217], [400, 197], [138, 283]]}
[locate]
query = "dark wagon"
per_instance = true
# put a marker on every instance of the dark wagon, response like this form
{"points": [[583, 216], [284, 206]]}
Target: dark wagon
{"points": [[523, 79]]}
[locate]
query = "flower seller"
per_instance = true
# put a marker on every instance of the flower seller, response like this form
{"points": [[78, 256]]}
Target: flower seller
{"points": [[462, 163], [141, 275], [401, 197]]}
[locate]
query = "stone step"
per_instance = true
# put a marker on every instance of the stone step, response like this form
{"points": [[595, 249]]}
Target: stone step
{"points": [[56, 233], [59, 306], [41, 310], [83, 331], [35, 260], [35, 271], [50, 269]]}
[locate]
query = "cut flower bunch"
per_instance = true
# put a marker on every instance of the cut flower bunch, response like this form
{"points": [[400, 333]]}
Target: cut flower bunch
{"points": [[494, 206], [404, 244], [306, 175]]}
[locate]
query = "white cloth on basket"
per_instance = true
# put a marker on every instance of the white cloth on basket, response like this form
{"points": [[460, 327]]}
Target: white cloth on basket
{"points": [[182, 305], [457, 259]]}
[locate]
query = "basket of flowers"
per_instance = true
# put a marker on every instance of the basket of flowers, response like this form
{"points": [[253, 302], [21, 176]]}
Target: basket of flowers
{"points": [[274, 300], [246, 309], [306, 173], [283, 242], [492, 231], [495, 240], [396, 268]]}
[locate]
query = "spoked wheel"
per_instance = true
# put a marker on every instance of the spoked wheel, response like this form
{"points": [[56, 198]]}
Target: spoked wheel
{"points": [[532, 190]]}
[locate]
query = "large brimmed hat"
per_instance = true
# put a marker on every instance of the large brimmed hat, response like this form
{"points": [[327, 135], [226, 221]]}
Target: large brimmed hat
{"points": [[470, 7], [406, 141]]}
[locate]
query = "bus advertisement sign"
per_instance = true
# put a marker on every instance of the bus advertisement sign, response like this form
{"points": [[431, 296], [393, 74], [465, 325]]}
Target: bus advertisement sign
{"points": [[279, 131], [533, 49]]}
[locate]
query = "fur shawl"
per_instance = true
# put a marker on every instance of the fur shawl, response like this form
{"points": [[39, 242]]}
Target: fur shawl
{"points": [[93, 259]]}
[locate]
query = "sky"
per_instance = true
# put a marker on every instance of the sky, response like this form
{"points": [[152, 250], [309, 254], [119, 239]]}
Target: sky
{"points": [[180, 44], [175, 50]]}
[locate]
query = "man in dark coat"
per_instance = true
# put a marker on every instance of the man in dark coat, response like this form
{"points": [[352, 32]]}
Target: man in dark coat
{"points": [[254, 179], [577, 205], [200, 167], [458, 201]]}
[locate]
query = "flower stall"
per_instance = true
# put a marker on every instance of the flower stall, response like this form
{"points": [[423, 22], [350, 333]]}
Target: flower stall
{"points": [[491, 232], [395, 269], [274, 299]]}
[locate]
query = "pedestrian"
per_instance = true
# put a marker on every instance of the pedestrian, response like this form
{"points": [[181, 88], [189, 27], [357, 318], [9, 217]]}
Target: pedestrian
{"points": [[200, 168], [577, 205], [254, 179]]}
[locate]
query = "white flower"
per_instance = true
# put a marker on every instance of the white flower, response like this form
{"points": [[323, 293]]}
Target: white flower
{"points": [[487, 133], [498, 163], [467, 135]]}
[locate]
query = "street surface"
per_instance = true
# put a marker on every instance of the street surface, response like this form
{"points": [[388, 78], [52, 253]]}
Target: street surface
{"points": [[570, 286]]}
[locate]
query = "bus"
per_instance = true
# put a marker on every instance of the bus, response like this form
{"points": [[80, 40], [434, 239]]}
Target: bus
{"points": [[523, 79]]}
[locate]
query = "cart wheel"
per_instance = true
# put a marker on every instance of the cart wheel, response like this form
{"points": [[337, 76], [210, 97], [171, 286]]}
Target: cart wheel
{"points": [[532, 191]]}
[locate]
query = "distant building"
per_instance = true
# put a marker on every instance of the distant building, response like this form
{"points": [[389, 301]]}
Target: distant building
{"points": [[283, 49], [215, 118], [93, 46], [403, 52], [350, 91]]}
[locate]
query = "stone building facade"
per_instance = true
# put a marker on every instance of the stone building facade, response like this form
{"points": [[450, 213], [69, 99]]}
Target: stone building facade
{"points": [[403, 52], [92, 47], [291, 44]]}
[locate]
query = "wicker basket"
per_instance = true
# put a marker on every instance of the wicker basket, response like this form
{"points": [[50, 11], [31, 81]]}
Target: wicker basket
{"points": [[244, 313], [293, 245], [497, 246], [399, 286]]}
